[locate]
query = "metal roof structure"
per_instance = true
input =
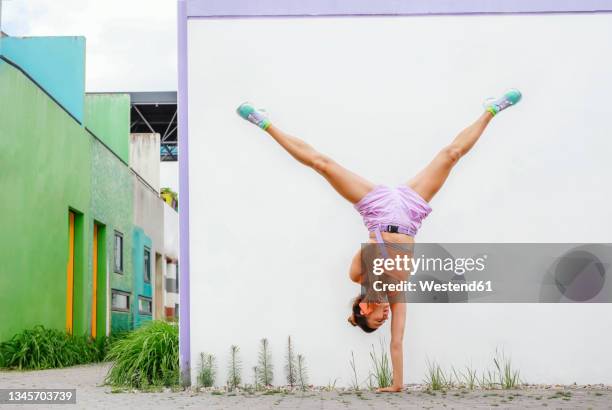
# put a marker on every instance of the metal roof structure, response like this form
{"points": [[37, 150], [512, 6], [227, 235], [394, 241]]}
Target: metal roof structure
{"points": [[156, 112]]}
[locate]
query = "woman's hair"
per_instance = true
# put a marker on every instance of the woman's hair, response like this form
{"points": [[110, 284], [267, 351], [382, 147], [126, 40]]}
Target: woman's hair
{"points": [[356, 318]]}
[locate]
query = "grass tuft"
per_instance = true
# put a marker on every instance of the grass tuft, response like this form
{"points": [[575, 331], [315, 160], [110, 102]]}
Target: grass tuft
{"points": [[436, 379], [508, 377], [331, 385], [146, 357], [467, 379], [208, 370], [355, 380], [42, 348], [381, 370]]}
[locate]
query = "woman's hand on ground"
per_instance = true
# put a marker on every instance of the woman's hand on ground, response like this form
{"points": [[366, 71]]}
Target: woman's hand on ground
{"points": [[390, 389]]}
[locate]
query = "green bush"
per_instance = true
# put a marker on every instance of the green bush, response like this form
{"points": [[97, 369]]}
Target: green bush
{"points": [[43, 348], [146, 357]]}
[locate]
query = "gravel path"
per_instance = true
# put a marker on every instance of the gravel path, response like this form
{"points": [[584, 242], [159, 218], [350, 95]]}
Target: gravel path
{"points": [[92, 395]]}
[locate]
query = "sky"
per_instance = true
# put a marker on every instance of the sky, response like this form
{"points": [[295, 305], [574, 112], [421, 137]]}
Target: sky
{"points": [[131, 44]]}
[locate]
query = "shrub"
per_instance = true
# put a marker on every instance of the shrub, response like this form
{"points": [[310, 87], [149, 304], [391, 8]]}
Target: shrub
{"points": [[43, 348], [146, 357]]}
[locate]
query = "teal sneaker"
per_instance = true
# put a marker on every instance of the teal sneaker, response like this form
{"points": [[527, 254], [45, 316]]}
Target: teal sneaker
{"points": [[495, 105], [254, 115]]}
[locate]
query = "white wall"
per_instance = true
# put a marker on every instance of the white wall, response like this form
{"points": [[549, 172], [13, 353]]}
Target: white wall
{"points": [[271, 242], [149, 213], [171, 232], [144, 157], [168, 177]]}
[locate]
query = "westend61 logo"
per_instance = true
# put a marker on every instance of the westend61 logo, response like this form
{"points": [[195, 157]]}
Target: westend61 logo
{"points": [[457, 266]]}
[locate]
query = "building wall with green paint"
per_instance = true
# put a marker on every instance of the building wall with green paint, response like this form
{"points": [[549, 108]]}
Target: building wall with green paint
{"points": [[108, 117], [46, 169], [111, 205], [52, 164], [141, 288]]}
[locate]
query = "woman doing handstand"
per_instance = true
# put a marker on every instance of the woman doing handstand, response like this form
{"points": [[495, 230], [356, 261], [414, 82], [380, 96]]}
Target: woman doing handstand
{"points": [[392, 215]]}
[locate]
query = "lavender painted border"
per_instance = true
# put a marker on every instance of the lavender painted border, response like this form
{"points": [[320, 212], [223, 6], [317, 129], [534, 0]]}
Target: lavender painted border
{"points": [[183, 149], [261, 8], [189, 9]]}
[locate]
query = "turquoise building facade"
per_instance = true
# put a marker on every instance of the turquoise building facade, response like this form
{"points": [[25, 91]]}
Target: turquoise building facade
{"points": [[142, 305]]}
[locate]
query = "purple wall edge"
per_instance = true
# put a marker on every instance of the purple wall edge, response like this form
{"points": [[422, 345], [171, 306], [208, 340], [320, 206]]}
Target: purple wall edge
{"points": [[278, 8], [249, 8], [183, 149]]}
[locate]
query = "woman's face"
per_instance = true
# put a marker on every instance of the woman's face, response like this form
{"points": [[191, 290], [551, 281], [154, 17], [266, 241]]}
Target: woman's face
{"points": [[378, 316]]}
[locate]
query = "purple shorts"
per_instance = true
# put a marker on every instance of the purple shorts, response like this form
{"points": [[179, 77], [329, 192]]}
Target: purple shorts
{"points": [[385, 208]]}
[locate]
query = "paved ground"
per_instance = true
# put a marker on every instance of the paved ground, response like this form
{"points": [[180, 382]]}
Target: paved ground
{"points": [[92, 395]]}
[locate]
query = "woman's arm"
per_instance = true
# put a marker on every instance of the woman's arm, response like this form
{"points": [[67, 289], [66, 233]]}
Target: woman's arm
{"points": [[398, 322], [355, 270]]}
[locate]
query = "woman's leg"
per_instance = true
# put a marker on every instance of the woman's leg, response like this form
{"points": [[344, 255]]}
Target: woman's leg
{"points": [[429, 181], [348, 184]]}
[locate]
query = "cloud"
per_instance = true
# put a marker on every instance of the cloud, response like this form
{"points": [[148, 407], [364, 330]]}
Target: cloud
{"points": [[131, 44]]}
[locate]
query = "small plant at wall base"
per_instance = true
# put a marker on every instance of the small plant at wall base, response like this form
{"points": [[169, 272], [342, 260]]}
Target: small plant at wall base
{"points": [[355, 380], [264, 365], [507, 376], [208, 370], [467, 379], [487, 381], [256, 385], [43, 348], [380, 366], [302, 372], [436, 379], [234, 371], [146, 357], [290, 367], [503, 376]]}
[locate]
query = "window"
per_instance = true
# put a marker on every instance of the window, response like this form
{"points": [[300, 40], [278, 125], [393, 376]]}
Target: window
{"points": [[118, 252], [145, 306], [147, 265], [120, 301]]}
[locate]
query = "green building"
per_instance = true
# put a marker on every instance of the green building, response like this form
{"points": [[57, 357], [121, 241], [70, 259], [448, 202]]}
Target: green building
{"points": [[73, 257]]}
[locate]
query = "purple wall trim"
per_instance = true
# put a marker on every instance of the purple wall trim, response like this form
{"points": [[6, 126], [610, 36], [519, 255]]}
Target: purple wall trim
{"points": [[250, 8], [183, 149]]}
